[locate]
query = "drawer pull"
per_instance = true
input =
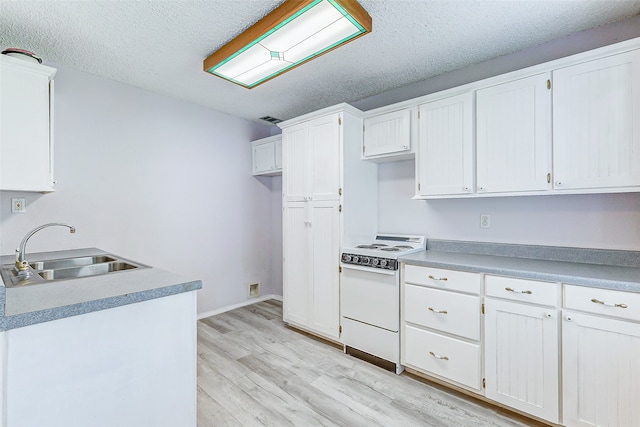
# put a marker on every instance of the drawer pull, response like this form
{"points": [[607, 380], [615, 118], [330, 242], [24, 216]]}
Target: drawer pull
{"points": [[437, 311], [608, 304], [437, 356], [444, 279], [517, 291]]}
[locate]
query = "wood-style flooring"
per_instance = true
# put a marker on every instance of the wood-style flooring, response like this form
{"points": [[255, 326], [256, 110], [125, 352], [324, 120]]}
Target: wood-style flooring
{"points": [[255, 371]]}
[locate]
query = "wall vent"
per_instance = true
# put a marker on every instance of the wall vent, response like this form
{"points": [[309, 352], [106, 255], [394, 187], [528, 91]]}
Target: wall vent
{"points": [[271, 120], [254, 290]]}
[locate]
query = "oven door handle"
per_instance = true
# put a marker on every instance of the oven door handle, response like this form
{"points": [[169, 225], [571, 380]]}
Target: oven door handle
{"points": [[370, 269]]}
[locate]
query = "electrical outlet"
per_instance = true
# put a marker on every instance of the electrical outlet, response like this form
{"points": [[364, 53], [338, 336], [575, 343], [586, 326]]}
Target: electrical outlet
{"points": [[18, 205], [485, 221]]}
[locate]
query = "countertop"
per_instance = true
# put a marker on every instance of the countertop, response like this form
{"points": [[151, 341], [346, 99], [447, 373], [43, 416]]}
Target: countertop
{"points": [[602, 270], [37, 303]]}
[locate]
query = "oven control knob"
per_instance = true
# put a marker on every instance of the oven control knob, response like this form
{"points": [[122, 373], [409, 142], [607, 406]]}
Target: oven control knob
{"points": [[383, 263], [355, 259], [346, 257], [365, 261], [375, 261]]}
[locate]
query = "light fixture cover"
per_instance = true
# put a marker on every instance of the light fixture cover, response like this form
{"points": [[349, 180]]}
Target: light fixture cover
{"points": [[292, 34]]}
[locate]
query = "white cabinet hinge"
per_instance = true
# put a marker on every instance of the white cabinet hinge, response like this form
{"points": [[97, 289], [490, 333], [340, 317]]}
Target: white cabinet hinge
{"points": [[340, 120], [418, 186], [482, 308], [340, 328], [339, 208], [484, 383], [549, 178], [339, 269], [339, 191], [549, 84]]}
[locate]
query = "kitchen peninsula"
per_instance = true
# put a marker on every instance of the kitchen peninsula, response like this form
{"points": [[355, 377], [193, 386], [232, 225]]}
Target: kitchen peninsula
{"points": [[112, 349]]}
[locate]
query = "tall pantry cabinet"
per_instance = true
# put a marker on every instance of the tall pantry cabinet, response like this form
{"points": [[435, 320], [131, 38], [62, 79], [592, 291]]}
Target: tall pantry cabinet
{"points": [[329, 201]]}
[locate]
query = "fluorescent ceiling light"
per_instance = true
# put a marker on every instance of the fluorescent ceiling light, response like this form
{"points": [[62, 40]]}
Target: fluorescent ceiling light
{"points": [[292, 34]]}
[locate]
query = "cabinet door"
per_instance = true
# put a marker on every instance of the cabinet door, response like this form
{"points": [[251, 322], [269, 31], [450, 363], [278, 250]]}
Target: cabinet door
{"points": [[296, 256], [26, 156], [521, 357], [601, 371], [277, 150], [325, 255], [596, 123], [295, 163], [445, 147], [263, 158], [514, 136], [388, 133], [325, 148]]}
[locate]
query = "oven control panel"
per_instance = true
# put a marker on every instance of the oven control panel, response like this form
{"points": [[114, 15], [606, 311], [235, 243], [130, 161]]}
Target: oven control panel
{"points": [[370, 261]]}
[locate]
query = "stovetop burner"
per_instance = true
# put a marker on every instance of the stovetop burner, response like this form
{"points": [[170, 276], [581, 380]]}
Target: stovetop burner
{"points": [[384, 251]]}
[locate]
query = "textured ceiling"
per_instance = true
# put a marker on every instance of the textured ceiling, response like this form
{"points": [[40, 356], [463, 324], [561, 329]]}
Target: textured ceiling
{"points": [[160, 45]]}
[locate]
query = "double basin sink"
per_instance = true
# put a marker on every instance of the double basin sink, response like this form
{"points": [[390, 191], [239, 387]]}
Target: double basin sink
{"points": [[66, 268]]}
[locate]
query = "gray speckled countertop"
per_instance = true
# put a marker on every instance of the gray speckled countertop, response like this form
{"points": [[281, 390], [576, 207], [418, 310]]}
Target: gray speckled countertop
{"points": [[37, 303], [599, 268]]}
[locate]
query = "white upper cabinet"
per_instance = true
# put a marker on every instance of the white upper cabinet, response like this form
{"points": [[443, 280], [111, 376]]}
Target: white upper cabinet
{"points": [[596, 123], [312, 155], [26, 125], [444, 163], [325, 147], [514, 136], [267, 156], [387, 136]]}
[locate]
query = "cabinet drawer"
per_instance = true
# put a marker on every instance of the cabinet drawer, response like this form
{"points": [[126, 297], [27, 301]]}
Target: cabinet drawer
{"points": [[443, 279], [543, 293], [450, 312], [625, 305], [446, 357]]}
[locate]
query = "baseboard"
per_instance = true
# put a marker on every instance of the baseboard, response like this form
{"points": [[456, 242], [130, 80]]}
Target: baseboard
{"points": [[242, 304]]}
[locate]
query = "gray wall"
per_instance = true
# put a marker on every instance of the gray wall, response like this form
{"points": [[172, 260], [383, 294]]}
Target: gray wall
{"points": [[157, 180]]}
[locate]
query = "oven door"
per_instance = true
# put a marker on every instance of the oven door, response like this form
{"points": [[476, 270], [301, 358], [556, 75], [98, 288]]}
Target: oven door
{"points": [[371, 296]]}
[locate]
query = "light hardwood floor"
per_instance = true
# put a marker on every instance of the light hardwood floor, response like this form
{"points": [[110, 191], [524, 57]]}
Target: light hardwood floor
{"points": [[255, 371]]}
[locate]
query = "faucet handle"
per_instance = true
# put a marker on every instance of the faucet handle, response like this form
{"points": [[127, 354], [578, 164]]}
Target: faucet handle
{"points": [[21, 265]]}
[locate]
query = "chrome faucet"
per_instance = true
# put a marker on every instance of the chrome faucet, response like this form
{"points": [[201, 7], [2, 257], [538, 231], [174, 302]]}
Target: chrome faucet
{"points": [[22, 266]]}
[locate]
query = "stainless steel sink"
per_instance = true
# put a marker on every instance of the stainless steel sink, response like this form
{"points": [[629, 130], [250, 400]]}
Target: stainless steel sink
{"points": [[70, 262], [86, 270], [46, 271]]}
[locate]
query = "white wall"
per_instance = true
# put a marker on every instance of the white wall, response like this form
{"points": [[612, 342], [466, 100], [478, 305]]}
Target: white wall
{"points": [[610, 221], [157, 180]]}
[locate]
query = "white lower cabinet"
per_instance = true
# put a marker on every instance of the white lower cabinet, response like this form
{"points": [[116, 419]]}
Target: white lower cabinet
{"points": [[133, 365], [527, 344], [521, 346], [441, 325], [600, 358]]}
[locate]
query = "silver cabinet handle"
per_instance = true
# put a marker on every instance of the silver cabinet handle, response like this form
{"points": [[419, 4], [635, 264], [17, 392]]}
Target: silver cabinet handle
{"points": [[443, 279], [437, 356], [609, 304], [516, 291], [437, 311]]}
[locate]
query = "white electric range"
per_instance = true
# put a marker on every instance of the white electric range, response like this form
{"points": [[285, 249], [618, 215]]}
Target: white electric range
{"points": [[370, 295]]}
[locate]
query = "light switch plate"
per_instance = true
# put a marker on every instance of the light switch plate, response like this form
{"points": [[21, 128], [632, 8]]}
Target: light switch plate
{"points": [[18, 205]]}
